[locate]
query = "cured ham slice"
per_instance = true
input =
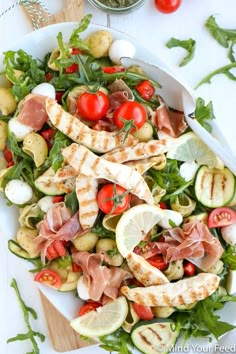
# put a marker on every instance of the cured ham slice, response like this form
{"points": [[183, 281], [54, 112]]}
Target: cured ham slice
{"points": [[32, 111], [170, 122], [99, 279], [89, 164], [100, 141], [183, 292]]}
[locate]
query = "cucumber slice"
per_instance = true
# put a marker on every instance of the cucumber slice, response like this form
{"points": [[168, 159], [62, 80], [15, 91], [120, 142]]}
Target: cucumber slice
{"points": [[18, 251], [45, 185], [214, 188], [154, 337]]}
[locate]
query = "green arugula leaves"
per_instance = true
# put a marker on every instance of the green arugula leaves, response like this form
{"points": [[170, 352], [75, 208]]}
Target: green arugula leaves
{"points": [[118, 342], [188, 44], [204, 113]]}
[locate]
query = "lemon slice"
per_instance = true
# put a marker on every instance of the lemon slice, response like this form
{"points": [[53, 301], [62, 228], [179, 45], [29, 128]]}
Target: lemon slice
{"points": [[104, 320], [190, 148], [134, 225]]}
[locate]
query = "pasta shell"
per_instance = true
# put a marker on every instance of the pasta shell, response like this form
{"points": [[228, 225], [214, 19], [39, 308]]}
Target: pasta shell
{"points": [[35, 146]]}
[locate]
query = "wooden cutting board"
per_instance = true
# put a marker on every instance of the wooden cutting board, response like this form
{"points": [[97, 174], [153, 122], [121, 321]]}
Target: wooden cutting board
{"points": [[63, 337]]}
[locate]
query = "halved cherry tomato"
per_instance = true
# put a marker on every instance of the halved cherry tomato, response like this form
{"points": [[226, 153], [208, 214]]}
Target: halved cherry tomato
{"points": [[47, 134], [89, 306], [48, 277], [75, 51], [113, 199], [48, 77], [10, 164], [59, 95], [144, 312], [145, 89], [167, 6], [132, 112], [93, 106], [221, 217], [158, 262], [163, 205], [55, 250], [112, 69], [58, 199], [76, 267], [189, 268], [7, 154], [73, 68]]}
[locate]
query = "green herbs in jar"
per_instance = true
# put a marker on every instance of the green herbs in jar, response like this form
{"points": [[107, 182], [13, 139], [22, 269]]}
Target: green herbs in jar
{"points": [[118, 3]]}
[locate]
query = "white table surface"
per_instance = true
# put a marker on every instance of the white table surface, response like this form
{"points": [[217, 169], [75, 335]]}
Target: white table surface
{"points": [[153, 29]]}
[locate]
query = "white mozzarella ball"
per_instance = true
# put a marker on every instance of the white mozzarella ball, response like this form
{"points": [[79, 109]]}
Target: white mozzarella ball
{"points": [[45, 89], [45, 203], [121, 48], [18, 192], [231, 282], [171, 219], [82, 289], [18, 129], [229, 234], [188, 170]]}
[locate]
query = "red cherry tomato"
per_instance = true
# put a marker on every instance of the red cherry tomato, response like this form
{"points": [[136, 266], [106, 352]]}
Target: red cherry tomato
{"points": [[163, 205], [109, 202], [59, 95], [112, 69], [130, 111], [48, 77], [73, 68], [93, 106], [89, 306], [221, 217], [76, 268], [158, 262], [7, 154], [189, 268], [58, 199], [144, 312], [55, 250], [145, 89], [48, 277], [47, 134], [75, 51], [167, 6], [10, 164]]}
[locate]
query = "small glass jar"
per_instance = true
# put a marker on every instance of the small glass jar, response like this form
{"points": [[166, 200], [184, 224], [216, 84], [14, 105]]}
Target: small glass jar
{"points": [[136, 4]]}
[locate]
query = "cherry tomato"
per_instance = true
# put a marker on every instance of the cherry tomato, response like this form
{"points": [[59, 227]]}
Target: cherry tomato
{"points": [[89, 306], [158, 262], [112, 69], [58, 199], [7, 154], [59, 95], [75, 51], [145, 89], [144, 312], [73, 68], [76, 268], [113, 199], [167, 6], [189, 268], [130, 111], [48, 277], [163, 205], [93, 106], [47, 134], [55, 250], [221, 217], [48, 77], [10, 164]]}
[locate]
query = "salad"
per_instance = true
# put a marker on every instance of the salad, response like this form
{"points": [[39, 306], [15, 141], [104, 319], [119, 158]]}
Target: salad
{"points": [[119, 201]]}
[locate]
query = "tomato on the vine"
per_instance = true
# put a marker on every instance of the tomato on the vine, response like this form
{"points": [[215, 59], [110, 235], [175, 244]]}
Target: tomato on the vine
{"points": [[167, 6], [48, 277], [130, 116], [113, 199], [93, 106], [221, 217]]}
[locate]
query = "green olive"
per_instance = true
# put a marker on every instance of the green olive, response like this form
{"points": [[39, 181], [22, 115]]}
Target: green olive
{"points": [[3, 134], [7, 101], [99, 43]]}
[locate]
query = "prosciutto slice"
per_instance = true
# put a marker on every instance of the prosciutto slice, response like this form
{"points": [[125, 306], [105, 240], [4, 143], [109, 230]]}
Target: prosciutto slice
{"points": [[32, 111], [103, 282]]}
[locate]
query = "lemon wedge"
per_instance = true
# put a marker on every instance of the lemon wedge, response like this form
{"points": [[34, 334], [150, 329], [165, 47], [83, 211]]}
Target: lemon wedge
{"points": [[134, 225], [190, 148], [104, 320]]}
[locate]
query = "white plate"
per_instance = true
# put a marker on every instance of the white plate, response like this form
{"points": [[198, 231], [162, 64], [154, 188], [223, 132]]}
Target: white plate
{"points": [[37, 44]]}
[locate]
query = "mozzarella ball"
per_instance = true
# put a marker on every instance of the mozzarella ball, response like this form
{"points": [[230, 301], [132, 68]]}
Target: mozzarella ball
{"points": [[121, 48], [171, 219], [45, 89], [82, 289], [188, 170], [229, 234], [18, 129], [18, 192], [45, 203]]}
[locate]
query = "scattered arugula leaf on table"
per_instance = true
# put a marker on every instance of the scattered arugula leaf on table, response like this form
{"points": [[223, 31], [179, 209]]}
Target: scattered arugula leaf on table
{"points": [[225, 70], [188, 44], [27, 311]]}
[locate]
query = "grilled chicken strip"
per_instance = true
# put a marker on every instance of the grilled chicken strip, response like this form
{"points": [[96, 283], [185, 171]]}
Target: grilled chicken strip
{"points": [[144, 272], [183, 292], [100, 141], [89, 164]]}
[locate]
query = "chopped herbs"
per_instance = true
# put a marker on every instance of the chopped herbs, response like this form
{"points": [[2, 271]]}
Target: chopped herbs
{"points": [[30, 334], [188, 44]]}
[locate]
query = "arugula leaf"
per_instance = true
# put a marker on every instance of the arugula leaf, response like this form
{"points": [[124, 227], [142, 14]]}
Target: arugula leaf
{"points": [[30, 334], [225, 70], [71, 201], [102, 232], [188, 44], [119, 342], [16, 149], [75, 40], [204, 113], [225, 37], [229, 257]]}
